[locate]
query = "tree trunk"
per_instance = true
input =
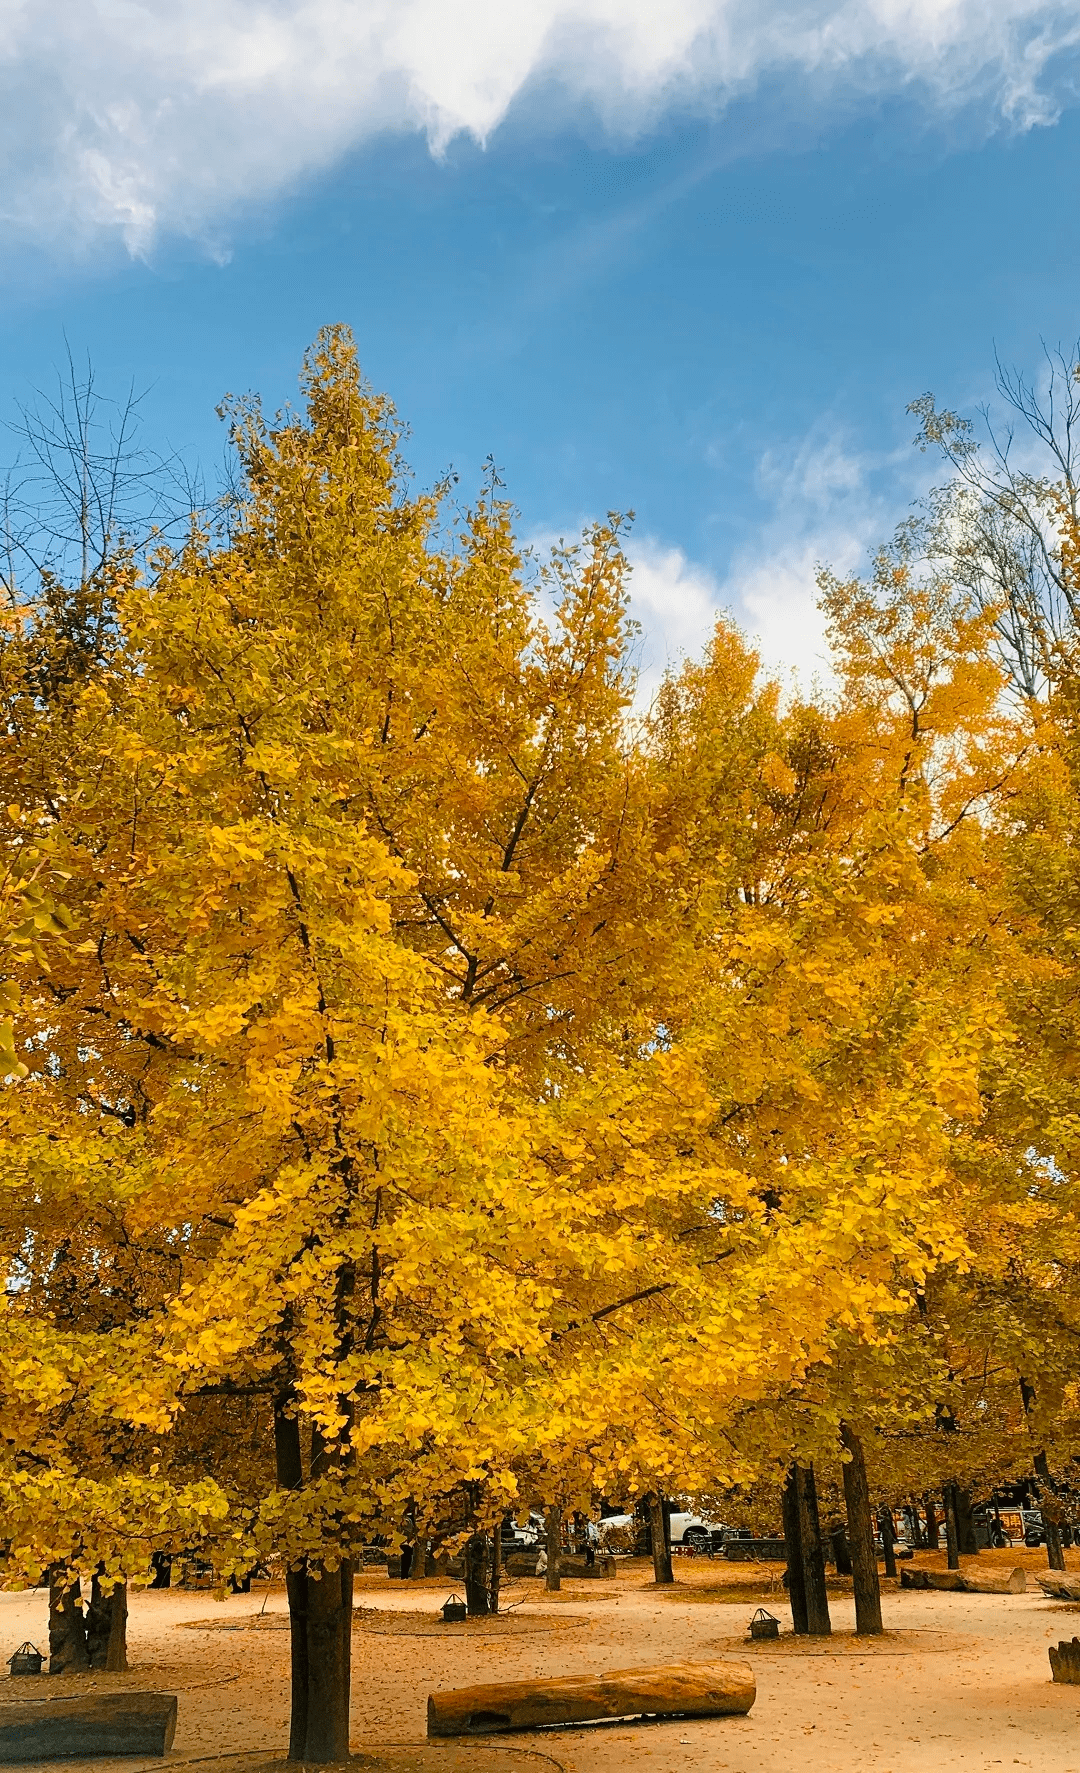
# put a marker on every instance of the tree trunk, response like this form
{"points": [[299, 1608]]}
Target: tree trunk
{"points": [[818, 1623], [419, 1561], [839, 1547], [476, 1588], [1055, 1549], [106, 1628], [967, 1544], [320, 1630], [496, 1570], [553, 1541], [162, 1562], [952, 1538], [68, 1653], [793, 1551], [329, 1642], [296, 1592], [932, 1536], [887, 1529], [861, 1536], [661, 1551]]}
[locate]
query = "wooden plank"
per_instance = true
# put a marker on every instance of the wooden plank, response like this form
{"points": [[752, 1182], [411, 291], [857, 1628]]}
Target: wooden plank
{"points": [[99, 1724], [680, 1689]]}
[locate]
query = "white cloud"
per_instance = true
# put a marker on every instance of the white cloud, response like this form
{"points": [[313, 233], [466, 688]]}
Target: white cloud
{"points": [[770, 593], [676, 604], [138, 116], [823, 504]]}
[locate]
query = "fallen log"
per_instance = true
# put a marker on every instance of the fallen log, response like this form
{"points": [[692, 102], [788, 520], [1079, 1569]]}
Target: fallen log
{"points": [[961, 1582], [681, 1689], [998, 1581], [1065, 1662], [1063, 1585], [97, 1725]]}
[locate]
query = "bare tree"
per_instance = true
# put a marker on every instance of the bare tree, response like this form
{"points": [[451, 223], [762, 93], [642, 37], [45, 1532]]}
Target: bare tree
{"points": [[84, 485], [994, 529]]}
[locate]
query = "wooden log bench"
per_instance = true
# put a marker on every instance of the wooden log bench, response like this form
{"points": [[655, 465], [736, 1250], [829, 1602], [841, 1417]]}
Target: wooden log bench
{"points": [[98, 1724], [966, 1582], [574, 1567], [681, 1689], [1061, 1585], [521, 1563]]}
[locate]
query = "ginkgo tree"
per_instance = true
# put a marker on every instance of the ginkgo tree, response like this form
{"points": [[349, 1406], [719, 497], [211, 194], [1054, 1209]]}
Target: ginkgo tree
{"points": [[430, 1075]]}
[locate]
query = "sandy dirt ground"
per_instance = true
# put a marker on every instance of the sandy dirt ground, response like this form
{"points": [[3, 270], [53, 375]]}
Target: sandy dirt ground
{"points": [[960, 1682]]}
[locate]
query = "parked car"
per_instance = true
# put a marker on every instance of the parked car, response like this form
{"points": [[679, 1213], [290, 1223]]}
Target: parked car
{"points": [[525, 1536], [617, 1532], [695, 1530]]}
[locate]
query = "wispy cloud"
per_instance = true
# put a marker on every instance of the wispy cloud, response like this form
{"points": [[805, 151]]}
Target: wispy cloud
{"points": [[824, 503], [134, 117]]}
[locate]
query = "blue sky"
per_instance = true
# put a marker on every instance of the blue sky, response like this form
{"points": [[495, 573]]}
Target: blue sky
{"points": [[693, 263]]}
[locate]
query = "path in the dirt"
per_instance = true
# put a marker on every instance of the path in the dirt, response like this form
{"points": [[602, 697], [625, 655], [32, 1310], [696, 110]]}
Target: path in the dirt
{"points": [[959, 1684]]}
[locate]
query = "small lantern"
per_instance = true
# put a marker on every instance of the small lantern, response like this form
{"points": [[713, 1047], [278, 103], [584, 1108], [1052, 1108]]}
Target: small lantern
{"points": [[26, 1660], [454, 1608], [763, 1625]]}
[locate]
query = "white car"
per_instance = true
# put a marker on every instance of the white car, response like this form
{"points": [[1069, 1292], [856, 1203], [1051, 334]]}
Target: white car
{"points": [[686, 1529], [694, 1529]]}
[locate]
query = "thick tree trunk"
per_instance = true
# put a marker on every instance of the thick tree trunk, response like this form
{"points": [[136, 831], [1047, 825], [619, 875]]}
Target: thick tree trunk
{"points": [[887, 1529], [106, 1628], [476, 1588], [952, 1537], [661, 1551], [967, 1543], [818, 1623], [329, 1640], [861, 1535], [68, 1653], [320, 1631], [932, 1534], [553, 1542], [793, 1551]]}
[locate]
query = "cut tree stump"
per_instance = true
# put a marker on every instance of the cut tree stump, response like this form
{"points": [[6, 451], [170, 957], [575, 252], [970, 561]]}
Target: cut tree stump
{"points": [[956, 1582], [680, 1689], [1065, 1662], [1063, 1585], [98, 1725]]}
